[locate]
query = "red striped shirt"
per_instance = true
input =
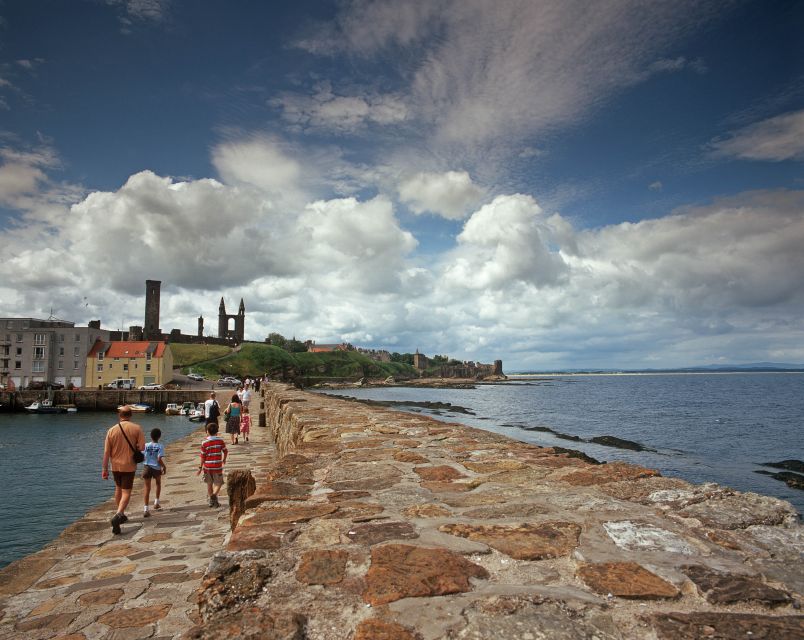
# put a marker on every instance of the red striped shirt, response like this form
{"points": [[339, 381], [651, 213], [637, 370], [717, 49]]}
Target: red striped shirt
{"points": [[213, 453]]}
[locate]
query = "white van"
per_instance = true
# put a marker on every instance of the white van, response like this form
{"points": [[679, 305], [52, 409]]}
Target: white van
{"points": [[121, 383]]}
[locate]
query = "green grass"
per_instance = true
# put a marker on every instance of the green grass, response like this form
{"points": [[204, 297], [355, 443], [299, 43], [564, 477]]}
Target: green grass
{"points": [[255, 359], [188, 354]]}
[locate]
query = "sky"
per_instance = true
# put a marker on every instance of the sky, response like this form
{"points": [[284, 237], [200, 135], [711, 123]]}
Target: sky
{"points": [[554, 183]]}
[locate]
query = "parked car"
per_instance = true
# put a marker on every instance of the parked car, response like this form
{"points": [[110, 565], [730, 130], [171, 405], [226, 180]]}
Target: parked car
{"points": [[195, 376], [41, 385], [151, 387], [120, 384]]}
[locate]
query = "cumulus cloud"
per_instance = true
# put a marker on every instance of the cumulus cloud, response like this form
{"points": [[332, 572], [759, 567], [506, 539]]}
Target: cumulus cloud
{"points": [[775, 139], [449, 194]]}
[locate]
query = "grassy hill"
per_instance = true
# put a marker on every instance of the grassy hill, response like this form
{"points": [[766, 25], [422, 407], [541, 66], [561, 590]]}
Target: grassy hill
{"points": [[254, 359], [187, 354]]}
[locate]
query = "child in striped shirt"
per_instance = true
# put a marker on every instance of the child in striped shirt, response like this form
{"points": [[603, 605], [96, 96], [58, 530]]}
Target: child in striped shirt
{"points": [[213, 457]]}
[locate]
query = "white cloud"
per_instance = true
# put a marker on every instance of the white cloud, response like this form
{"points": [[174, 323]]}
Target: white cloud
{"points": [[339, 113], [449, 194], [775, 139], [484, 71], [656, 185]]}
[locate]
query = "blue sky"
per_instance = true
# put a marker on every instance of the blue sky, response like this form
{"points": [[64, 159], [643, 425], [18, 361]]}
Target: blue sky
{"points": [[556, 183]]}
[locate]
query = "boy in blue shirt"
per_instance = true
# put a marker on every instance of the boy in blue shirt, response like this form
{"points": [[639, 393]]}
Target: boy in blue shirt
{"points": [[154, 467]]}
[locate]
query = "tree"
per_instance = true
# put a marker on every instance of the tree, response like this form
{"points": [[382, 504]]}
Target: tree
{"points": [[277, 340], [296, 346]]}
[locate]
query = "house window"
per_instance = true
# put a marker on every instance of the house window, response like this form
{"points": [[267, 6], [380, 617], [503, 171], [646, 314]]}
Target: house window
{"points": [[61, 351], [61, 337], [147, 366], [39, 338], [38, 366], [61, 364], [125, 366], [19, 351], [100, 367], [76, 351], [100, 357], [19, 337], [18, 364], [147, 356], [75, 365], [78, 337], [39, 353]]}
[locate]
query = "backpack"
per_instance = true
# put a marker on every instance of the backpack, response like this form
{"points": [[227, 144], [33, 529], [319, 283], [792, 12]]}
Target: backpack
{"points": [[214, 412]]}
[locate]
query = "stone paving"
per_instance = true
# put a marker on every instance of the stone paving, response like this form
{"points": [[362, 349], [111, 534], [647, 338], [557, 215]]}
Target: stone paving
{"points": [[143, 583], [380, 525], [370, 524]]}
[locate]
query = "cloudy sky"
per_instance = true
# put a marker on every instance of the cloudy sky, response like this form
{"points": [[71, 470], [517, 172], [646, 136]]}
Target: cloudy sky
{"points": [[556, 183]]}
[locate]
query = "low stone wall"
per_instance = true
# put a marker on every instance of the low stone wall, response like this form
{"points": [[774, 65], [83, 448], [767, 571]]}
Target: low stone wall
{"points": [[374, 524], [103, 400]]}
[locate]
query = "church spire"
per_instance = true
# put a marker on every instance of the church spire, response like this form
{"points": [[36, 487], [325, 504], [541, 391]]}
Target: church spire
{"points": [[222, 307], [242, 310]]}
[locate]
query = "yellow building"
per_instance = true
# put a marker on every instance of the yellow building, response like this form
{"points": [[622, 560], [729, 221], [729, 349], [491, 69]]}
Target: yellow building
{"points": [[139, 362]]}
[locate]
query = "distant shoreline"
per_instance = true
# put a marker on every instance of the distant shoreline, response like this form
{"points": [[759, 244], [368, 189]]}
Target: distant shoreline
{"points": [[555, 374]]}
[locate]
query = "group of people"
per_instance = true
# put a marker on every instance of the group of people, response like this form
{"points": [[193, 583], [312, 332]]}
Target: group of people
{"points": [[125, 440]]}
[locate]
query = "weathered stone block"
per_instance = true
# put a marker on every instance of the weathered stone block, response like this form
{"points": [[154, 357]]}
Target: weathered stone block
{"points": [[524, 541], [625, 580], [322, 566]]}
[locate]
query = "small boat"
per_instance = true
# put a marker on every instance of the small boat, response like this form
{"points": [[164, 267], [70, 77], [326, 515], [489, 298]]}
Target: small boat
{"points": [[172, 409], [44, 406], [197, 414], [138, 407], [187, 409]]}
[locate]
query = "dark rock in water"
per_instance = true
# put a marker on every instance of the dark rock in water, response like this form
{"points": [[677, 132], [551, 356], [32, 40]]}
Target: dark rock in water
{"points": [[434, 407], [574, 453], [790, 465], [564, 436], [611, 441], [537, 428], [792, 480]]}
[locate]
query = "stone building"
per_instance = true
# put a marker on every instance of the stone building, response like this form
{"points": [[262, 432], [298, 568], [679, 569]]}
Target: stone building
{"points": [[152, 295], [232, 327], [142, 362], [33, 350]]}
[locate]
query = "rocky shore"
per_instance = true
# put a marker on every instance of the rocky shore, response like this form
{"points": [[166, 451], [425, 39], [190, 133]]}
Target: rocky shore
{"points": [[365, 523]]}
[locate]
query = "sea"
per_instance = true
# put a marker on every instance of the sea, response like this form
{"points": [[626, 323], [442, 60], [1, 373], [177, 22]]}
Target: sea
{"points": [[51, 466], [700, 427]]}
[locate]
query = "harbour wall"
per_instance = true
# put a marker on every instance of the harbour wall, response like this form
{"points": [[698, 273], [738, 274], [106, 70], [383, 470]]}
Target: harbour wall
{"points": [[104, 400]]}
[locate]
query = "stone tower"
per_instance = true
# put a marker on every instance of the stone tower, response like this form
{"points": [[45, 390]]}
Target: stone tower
{"points": [[239, 332], [151, 330], [200, 326]]}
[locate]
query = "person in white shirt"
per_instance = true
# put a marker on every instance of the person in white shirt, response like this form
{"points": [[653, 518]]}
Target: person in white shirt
{"points": [[211, 409], [246, 397]]}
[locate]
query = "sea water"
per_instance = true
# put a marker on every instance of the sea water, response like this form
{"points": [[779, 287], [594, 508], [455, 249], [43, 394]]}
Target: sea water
{"points": [[51, 470], [702, 427]]}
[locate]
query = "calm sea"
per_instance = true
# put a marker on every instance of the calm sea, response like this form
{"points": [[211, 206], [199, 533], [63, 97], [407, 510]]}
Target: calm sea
{"points": [[704, 428], [51, 466]]}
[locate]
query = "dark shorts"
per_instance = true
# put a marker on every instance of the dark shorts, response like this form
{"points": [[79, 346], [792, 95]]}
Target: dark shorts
{"points": [[150, 472], [213, 477], [124, 479]]}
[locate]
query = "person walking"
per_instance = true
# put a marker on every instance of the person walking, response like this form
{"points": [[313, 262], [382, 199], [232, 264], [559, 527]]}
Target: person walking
{"points": [[232, 415], [211, 410], [123, 441], [245, 398], [213, 458], [153, 467]]}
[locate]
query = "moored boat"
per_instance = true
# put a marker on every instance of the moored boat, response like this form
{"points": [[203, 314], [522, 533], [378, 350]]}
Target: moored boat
{"points": [[172, 409], [197, 414], [44, 406], [138, 407]]}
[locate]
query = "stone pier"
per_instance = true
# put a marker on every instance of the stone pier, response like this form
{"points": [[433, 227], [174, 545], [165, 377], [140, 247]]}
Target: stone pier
{"points": [[371, 524]]}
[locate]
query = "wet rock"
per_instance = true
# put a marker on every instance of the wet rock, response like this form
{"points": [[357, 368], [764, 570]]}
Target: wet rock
{"points": [[371, 534], [625, 580], [789, 465], [232, 580], [792, 480], [375, 629], [619, 443], [252, 623], [697, 625], [322, 566], [523, 542], [565, 436], [401, 571], [441, 473], [642, 537], [727, 588]]}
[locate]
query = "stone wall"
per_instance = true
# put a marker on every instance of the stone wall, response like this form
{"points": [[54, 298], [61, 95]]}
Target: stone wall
{"points": [[103, 400], [377, 524]]}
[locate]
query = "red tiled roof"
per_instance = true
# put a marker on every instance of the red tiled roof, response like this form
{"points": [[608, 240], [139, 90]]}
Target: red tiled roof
{"points": [[127, 349]]}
